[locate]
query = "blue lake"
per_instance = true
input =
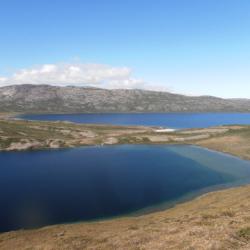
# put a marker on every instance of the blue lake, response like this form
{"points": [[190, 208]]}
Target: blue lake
{"points": [[59, 186], [172, 120]]}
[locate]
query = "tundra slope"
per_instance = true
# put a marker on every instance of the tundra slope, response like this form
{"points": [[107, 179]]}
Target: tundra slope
{"points": [[35, 135], [53, 99]]}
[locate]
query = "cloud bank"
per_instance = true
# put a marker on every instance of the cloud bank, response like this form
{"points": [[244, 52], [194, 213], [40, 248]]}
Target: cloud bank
{"points": [[77, 74]]}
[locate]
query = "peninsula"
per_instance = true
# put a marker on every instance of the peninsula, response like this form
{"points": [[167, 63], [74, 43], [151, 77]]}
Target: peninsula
{"points": [[18, 135]]}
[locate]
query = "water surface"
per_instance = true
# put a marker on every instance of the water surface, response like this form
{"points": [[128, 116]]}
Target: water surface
{"points": [[172, 120], [59, 186]]}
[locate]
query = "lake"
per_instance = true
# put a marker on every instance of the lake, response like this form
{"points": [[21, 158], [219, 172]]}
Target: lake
{"points": [[61, 186], [171, 120]]}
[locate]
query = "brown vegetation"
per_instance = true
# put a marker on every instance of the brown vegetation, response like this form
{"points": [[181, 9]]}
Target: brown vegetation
{"points": [[27, 135], [219, 220]]}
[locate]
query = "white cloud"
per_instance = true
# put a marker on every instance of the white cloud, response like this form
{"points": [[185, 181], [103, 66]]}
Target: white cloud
{"points": [[77, 74], [80, 74], [3, 79]]}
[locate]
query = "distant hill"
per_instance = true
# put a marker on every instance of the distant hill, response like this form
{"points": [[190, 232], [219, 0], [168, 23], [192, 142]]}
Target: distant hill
{"points": [[53, 99]]}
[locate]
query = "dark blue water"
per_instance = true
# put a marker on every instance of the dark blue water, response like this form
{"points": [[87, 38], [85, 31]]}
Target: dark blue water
{"points": [[47, 187], [172, 120]]}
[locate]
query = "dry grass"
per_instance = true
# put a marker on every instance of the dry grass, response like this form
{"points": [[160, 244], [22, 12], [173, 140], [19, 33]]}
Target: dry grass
{"points": [[219, 220], [24, 135], [236, 143]]}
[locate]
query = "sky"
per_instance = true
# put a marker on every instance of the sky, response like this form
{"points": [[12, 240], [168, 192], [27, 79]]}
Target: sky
{"points": [[193, 47]]}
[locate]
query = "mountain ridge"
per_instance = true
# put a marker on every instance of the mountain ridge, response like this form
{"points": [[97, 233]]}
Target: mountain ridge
{"points": [[73, 99]]}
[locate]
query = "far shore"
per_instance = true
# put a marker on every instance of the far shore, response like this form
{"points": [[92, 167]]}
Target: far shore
{"points": [[19, 134]]}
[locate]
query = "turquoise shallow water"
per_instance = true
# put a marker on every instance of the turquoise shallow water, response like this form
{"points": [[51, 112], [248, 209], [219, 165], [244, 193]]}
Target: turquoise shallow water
{"points": [[59, 186], [173, 120]]}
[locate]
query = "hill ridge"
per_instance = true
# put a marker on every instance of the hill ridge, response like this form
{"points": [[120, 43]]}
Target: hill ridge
{"points": [[74, 99]]}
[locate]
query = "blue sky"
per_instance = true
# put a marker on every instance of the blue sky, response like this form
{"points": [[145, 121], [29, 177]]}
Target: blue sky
{"points": [[192, 47]]}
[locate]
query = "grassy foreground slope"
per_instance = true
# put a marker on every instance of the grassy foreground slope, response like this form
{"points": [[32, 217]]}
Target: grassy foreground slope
{"points": [[219, 220]]}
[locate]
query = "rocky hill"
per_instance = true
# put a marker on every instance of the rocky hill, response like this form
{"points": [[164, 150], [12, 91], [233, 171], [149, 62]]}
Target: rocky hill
{"points": [[45, 98]]}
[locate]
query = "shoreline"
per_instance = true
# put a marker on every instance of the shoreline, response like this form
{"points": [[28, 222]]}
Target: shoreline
{"points": [[231, 140], [209, 212], [151, 210], [147, 211], [157, 208]]}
